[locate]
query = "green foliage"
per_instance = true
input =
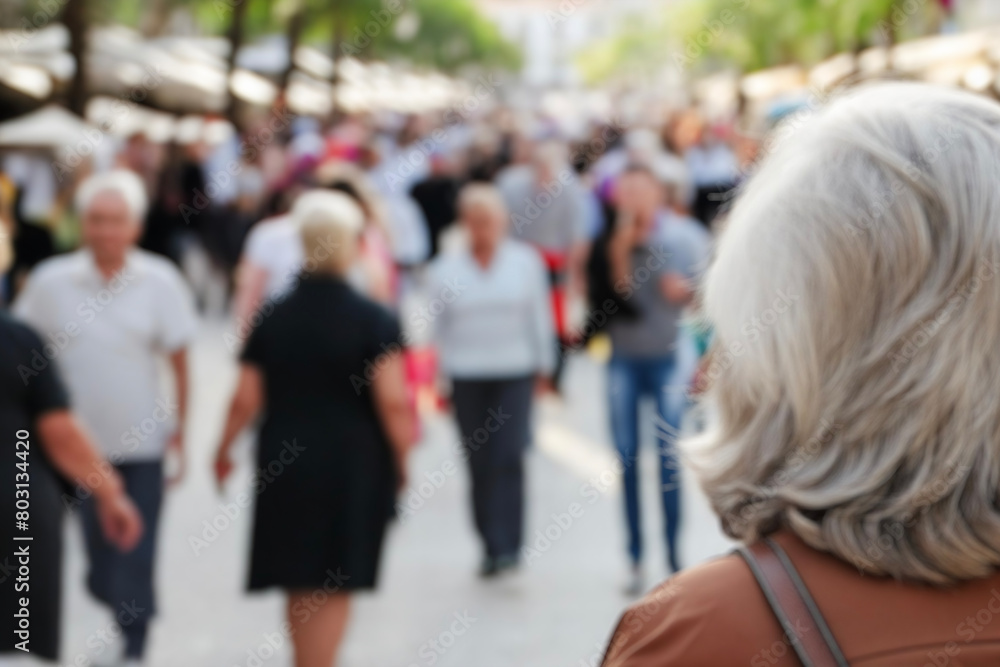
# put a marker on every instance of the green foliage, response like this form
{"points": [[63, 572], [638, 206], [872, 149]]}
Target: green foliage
{"points": [[636, 51], [449, 33], [755, 34]]}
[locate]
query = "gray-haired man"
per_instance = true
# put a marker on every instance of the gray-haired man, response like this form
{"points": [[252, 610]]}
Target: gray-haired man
{"points": [[107, 312]]}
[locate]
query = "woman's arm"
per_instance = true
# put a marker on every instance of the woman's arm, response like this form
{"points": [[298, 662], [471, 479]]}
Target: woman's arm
{"points": [[392, 404], [251, 281], [178, 361], [246, 403]]}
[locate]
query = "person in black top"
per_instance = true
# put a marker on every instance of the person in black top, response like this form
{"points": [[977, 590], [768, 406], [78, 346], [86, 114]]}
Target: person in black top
{"points": [[39, 442], [437, 196], [326, 366]]}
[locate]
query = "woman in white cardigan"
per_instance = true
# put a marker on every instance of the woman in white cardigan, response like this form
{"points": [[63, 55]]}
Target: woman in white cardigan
{"points": [[489, 305]]}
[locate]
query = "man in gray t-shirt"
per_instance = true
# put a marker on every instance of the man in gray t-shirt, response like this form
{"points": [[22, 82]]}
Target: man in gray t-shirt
{"points": [[655, 256], [676, 252]]}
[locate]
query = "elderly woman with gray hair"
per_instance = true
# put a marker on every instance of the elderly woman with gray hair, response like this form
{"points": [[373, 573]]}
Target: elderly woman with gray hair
{"points": [[857, 450], [327, 368], [493, 329]]}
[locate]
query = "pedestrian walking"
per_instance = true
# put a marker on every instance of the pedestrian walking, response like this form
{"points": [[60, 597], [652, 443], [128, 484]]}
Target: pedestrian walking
{"points": [[494, 336], [111, 312], [326, 366], [653, 264]]}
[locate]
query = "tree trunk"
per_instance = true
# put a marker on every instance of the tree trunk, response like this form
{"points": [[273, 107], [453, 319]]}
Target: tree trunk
{"points": [[75, 19], [292, 35], [336, 45], [235, 35]]}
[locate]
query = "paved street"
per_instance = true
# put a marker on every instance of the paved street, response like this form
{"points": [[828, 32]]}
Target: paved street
{"points": [[430, 608]]}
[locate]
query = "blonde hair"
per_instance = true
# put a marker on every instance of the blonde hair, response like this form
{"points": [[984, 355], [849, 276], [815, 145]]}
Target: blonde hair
{"points": [[856, 308], [330, 225], [481, 195]]}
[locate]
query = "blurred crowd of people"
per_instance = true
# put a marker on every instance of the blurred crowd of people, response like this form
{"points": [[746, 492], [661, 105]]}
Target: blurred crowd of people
{"points": [[369, 268]]}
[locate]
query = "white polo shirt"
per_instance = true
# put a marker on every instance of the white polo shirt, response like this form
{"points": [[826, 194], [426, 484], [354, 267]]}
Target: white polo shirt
{"points": [[108, 339]]}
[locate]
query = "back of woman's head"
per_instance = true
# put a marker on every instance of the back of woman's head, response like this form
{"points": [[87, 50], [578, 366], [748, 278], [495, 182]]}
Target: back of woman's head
{"points": [[856, 364], [330, 224]]}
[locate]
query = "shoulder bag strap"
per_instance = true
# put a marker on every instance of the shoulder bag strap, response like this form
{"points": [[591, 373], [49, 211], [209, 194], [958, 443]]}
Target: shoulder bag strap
{"points": [[792, 604]]}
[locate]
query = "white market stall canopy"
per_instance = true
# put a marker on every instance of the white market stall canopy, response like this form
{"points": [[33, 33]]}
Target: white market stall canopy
{"points": [[187, 74], [50, 127]]}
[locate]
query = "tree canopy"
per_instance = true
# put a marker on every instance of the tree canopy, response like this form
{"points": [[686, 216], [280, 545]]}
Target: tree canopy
{"points": [[755, 34]]}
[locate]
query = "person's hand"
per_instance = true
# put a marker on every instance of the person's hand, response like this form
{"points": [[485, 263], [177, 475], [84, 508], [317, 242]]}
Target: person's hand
{"points": [[223, 467], [623, 238], [120, 521], [177, 458], [544, 385]]}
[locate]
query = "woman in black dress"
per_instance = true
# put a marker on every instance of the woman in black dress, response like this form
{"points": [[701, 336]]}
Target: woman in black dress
{"points": [[325, 365]]}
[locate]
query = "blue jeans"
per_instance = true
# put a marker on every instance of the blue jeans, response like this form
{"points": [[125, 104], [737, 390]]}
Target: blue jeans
{"points": [[629, 381]]}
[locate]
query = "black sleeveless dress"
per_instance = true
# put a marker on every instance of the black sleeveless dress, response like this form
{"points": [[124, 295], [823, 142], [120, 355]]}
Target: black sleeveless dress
{"points": [[325, 483]]}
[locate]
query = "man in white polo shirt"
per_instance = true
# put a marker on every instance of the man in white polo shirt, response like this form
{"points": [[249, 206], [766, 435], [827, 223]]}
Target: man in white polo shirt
{"points": [[108, 313]]}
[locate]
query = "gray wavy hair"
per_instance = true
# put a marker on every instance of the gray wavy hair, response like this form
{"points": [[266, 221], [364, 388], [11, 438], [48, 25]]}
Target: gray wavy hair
{"points": [[856, 362]]}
